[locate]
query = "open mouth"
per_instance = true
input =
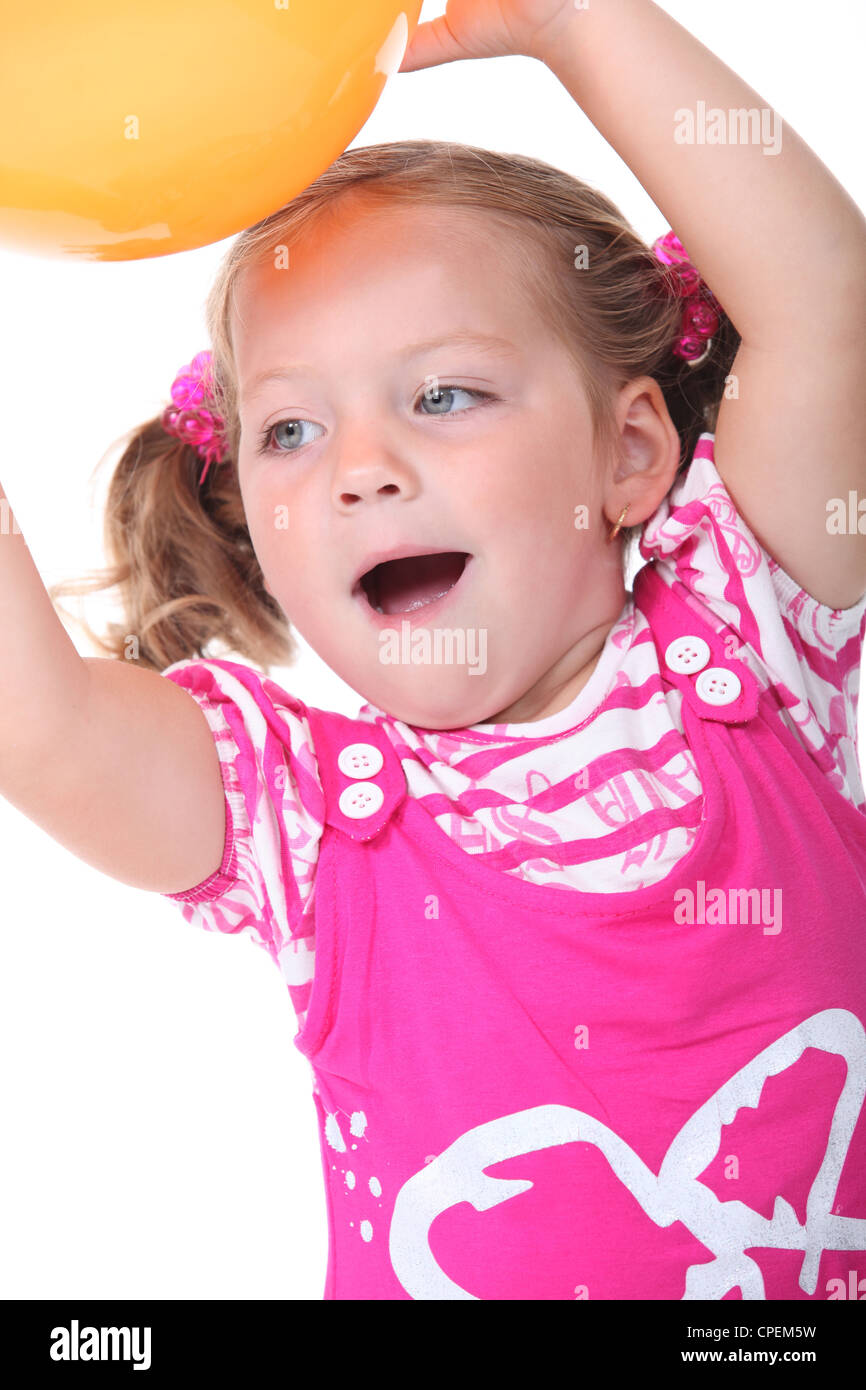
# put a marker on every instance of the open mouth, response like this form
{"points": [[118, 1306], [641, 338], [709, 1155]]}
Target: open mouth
{"points": [[402, 586]]}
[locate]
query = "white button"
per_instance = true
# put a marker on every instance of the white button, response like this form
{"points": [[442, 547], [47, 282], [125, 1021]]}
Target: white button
{"points": [[360, 760], [687, 654], [718, 686], [360, 800]]}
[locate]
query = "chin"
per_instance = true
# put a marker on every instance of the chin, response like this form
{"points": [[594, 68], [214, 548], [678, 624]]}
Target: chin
{"points": [[427, 719], [432, 709]]}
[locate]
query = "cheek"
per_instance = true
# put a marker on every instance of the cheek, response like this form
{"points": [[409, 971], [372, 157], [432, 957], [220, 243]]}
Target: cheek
{"points": [[538, 474], [525, 505], [261, 524], [269, 526], [508, 482], [274, 518]]}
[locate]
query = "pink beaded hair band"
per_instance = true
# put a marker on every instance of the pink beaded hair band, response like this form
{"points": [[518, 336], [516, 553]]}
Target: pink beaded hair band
{"points": [[189, 417], [193, 419], [700, 319]]}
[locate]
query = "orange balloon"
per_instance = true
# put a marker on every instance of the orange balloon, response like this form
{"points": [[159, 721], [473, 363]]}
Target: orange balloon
{"points": [[130, 130]]}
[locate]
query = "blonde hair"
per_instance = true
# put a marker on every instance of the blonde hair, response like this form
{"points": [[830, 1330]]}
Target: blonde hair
{"points": [[181, 556]]}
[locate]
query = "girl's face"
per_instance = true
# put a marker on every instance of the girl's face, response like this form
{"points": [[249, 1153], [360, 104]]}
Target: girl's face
{"points": [[429, 409]]}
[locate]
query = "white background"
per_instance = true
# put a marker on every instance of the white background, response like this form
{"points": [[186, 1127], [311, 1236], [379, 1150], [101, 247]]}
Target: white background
{"points": [[159, 1136]]}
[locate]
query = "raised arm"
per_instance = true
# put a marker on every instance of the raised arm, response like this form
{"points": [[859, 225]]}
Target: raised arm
{"points": [[113, 761], [781, 245]]}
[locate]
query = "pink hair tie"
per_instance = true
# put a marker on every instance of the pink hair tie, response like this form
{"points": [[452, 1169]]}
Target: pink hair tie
{"points": [[700, 319], [189, 418]]}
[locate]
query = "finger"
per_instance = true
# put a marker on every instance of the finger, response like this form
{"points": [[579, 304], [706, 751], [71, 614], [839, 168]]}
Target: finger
{"points": [[432, 43]]}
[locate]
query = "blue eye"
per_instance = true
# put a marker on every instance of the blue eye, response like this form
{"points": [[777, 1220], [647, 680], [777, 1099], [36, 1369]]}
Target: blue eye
{"points": [[266, 436], [439, 391], [431, 396]]}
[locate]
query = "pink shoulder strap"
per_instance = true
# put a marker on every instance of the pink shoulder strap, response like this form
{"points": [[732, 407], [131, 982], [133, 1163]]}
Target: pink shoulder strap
{"points": [[693, 656], [362, 777]]}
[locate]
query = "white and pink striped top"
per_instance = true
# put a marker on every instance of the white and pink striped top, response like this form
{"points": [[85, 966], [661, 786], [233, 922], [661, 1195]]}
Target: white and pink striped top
{"points": [[603, 796]]}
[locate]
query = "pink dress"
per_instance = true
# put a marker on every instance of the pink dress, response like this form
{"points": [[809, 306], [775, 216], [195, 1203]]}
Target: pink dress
{"points": [[527, 1090]]}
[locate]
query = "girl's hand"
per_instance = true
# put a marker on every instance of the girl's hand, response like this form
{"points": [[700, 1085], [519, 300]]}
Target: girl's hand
{"points": [[487, 29]]}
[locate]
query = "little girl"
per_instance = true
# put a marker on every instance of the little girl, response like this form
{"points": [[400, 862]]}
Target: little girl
{"points": [[571, 914]]}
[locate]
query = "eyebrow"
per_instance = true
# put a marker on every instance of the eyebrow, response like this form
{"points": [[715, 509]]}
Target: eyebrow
{"points": [[487, 342]]}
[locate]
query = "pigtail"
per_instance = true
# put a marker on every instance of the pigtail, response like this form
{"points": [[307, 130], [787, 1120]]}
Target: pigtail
{"points": [[181, 561]]}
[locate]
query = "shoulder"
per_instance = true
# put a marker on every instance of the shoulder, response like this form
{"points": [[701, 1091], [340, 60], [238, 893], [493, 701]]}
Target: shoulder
{"points": [[245, 704], [807, 651], [231, 681], [698, 536], [270, 774]]}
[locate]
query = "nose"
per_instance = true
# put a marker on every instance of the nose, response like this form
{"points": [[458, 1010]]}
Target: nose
{"points": [[366, 471]]}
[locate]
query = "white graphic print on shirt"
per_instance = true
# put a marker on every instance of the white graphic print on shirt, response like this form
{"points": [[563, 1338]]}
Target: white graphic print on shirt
{"points": [[674, 1194]]}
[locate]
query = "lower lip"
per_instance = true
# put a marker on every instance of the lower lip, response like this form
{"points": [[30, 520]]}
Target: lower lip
{"points": [[413, 615]]}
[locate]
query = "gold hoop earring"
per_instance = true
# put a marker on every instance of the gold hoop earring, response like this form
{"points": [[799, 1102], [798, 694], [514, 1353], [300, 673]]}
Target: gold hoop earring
{"points": [[616, 529]]}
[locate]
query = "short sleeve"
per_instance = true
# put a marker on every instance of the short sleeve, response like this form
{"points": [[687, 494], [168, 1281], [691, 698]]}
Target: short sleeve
{"points": [[274, 816], [809, 654]]}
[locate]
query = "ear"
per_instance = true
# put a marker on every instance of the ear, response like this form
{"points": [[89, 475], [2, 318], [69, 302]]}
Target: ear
{"points": [[647, 452]]}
